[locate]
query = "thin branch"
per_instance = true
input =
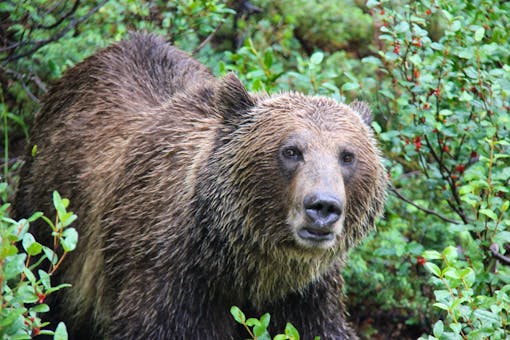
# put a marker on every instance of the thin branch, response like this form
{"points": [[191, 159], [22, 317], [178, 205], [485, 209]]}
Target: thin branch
{"points": [[428, 211], [494, 248], [209, 37], [39, 44], [64, 17], [21, 78]]}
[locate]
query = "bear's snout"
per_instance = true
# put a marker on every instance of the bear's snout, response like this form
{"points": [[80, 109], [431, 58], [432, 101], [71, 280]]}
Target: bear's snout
{"points": [[322, 209]]}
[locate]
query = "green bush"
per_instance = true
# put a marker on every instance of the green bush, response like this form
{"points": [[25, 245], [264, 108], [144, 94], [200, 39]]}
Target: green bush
{"points": [[26, 268], [444, 121]]}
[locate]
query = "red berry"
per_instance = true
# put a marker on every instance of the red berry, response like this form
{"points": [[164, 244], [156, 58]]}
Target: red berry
{"points": [[420, 260], [428, 11], [417, 143], [41, 297], [460, 168], [381, 12], [446, 148], [396, 48]]}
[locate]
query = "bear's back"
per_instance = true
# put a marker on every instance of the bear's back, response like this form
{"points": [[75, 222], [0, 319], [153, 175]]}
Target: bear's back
{"points": [[93, 112]]}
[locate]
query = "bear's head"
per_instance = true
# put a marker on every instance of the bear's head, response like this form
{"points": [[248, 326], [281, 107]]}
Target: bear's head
{"points": [[294, 171]]}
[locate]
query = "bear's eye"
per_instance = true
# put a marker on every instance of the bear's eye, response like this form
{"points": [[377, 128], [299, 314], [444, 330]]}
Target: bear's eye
{"points": [[292, 153], [347, 158]]}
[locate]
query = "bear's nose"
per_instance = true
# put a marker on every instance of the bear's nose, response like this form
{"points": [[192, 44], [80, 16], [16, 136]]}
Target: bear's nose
{"points": [[323, 209]]}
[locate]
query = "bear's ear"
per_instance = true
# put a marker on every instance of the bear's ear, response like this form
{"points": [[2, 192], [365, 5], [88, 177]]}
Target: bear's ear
{"points": [[363, 110], [232, 99]]}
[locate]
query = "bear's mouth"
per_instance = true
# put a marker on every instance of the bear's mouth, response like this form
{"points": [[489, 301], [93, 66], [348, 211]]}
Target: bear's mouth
{"points": [[316, 234]]}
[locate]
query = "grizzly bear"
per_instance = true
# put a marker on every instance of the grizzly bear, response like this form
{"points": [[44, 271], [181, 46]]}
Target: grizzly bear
{"points": [[194, 195]]}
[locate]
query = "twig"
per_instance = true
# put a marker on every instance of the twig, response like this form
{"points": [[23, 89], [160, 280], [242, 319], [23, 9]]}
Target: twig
{"points": [[494, 248], [428, 211], [209, 37], [20, 77], [39, 44], [61, 19]]}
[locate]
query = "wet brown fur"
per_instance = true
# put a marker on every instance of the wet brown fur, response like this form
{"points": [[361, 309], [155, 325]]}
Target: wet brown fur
{"points": [[184, 208]]}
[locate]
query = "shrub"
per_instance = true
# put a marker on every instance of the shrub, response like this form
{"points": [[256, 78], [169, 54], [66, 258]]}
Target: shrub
{"points": [[444, 121], [26, 268]]}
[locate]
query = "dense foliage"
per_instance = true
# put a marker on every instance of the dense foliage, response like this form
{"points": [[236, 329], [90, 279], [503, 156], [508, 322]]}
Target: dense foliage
{"points": [[437, 74]]}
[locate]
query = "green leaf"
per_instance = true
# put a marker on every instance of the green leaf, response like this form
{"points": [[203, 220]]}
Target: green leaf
{"points": [[402, 27], [29, 275], [30, 245], [69, 218], [14, 266], [50, 255], [252, 322], [450, 273], [479, 34], [268, 59], [34, 249], [441, 306], [65, 202], [60, 332], [54, 69], [261, 332], [450, 253], [21, 228], [489, 213], [42, 308], [60, 286], [264, 319], [45, 279], [350, 86], [10, 316], [433, 268], [316, 58], [26, 293], [455, 26], [438, 329], [468, 275], [8, 250], [487, 317], [431, 255], [456, 327], [291, 331], [238, 315], [35, 216], [58, 204], [465, 97], [69, 239]]}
